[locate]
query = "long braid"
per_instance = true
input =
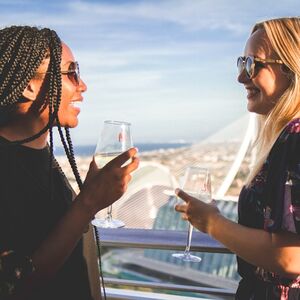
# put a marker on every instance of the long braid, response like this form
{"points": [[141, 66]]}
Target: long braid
{"points": [[28, 55], [73, 162], [22, 50], [71, 157]]}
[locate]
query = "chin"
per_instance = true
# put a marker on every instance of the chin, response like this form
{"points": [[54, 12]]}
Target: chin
{"points": [[72, 124], [250, 107], [68, 123]]}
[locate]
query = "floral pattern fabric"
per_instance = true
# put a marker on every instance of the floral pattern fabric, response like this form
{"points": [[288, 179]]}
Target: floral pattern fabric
{"points": [[272, 203], [13, 268]]}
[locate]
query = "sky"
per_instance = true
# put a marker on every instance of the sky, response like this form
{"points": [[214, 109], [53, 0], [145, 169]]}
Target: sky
{"points": [[166, 66]]}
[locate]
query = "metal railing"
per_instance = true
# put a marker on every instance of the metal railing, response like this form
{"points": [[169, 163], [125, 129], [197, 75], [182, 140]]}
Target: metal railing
{"points": [[164, 240]]}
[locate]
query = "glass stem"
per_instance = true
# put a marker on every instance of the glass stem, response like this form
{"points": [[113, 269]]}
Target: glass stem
{"points": [[109, 213], [189, 238]]}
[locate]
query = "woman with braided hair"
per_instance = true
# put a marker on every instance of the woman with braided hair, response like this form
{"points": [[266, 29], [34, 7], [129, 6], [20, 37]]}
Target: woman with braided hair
{"points": [[41, 229]]}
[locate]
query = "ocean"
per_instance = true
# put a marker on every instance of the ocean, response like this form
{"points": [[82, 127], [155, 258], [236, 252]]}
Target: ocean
{"points": [[88, 150]]}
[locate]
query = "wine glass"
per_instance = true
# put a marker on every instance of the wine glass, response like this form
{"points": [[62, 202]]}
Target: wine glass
{"points": [[196, 182], [115, 138]]}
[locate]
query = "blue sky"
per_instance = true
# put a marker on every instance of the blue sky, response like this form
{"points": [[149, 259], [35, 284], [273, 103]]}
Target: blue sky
{"points": [[166, 66]]}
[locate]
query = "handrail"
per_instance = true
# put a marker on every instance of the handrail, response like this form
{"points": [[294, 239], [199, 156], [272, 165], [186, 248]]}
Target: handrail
{"points": [[158, 239], [165, 240], [168, 286]]}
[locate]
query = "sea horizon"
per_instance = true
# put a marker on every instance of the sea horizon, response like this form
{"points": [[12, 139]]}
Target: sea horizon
{"points": [[88, 150]]}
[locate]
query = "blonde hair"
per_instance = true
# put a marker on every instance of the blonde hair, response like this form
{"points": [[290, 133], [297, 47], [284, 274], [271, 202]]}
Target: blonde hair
{"points": [[284, 36]]}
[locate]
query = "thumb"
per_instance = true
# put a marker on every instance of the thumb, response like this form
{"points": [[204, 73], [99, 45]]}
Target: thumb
{"points": [[93, 165], [92, 168]]}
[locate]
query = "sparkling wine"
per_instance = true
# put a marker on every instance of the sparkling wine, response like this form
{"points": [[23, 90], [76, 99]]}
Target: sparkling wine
{"points": [[103, 158]]}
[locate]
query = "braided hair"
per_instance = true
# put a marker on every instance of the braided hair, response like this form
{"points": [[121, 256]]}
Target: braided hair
{"points": [[22, 50]]}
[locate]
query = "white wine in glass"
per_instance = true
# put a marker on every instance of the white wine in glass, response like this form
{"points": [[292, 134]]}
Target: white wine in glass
{"points": [[115, 138], [196, 182]]}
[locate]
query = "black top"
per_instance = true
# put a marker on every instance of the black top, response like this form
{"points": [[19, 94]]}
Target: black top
{"points": [[27, 216], [272, 203]]}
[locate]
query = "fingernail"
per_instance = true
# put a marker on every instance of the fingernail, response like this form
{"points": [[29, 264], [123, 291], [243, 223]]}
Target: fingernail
{"points": [[137, 149]]}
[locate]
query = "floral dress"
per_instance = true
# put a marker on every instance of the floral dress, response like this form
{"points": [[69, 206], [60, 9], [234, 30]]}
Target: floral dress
{"points": [[272, 203]]}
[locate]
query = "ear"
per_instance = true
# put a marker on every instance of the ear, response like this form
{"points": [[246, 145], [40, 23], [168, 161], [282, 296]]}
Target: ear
{"points": [[32, 90], [285, 69]]}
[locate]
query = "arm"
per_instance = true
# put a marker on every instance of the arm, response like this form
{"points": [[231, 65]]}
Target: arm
{"points": [[275, 252], [101, 188]]}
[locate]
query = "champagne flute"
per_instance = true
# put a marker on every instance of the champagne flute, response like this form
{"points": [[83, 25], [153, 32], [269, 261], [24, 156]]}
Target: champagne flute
{"points": [[115, 138], [196, 182]]}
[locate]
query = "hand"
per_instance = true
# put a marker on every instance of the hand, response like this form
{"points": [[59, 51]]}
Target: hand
{"points": [[197, 212], [102, 187]]}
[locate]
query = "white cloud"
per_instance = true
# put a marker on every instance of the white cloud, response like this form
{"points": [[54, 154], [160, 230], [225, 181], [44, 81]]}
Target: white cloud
{"points": [[152, 59], [231, 15]]}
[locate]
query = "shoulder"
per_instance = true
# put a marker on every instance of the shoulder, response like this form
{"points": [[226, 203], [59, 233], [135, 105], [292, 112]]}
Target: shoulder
{"points": [[290, 141], [290, 135], [291, 129]]}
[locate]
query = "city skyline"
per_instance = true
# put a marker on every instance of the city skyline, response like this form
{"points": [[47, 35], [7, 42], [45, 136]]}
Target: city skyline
{"points": [[168, 67]]}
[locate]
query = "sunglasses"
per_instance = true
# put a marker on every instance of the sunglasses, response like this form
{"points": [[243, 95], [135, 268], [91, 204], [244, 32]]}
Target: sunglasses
{"points": [[248, 63], [73, 73]]}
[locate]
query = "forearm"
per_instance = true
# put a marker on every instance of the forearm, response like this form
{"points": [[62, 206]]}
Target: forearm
{"points": [[275, 252], [49, 257], [59, 244]]}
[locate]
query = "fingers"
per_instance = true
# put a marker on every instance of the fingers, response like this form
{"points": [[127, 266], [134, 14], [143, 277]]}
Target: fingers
{"points": [[124, 157], [181, 208], [132, 166], [183, 195]]}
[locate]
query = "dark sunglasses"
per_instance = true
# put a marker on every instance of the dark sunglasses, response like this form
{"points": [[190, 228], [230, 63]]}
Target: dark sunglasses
{"points": [[73, 73], [248, 63]]}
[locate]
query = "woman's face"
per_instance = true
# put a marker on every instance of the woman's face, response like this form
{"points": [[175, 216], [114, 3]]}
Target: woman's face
{"points": [[71, 95], [269, 81]]}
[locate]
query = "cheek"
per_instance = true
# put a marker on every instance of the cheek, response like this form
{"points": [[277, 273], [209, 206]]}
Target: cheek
{"points": [[282, 84], [66, 95], [68, 88], [267, 85]]}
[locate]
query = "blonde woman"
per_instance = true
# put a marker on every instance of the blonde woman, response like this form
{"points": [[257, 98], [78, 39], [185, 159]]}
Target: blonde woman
{"points": [[266, 238]]}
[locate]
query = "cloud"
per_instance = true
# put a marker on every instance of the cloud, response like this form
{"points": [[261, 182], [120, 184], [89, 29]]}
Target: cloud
{"points": [[196, 15], [141, 57], [193, 15]]}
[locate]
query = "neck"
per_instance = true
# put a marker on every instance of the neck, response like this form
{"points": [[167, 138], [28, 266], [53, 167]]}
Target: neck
{"points": [[15, 132]]}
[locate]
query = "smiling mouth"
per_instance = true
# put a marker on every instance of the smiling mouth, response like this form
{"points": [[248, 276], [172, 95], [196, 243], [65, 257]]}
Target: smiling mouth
{"points": [[252, 92], [76, 104]]}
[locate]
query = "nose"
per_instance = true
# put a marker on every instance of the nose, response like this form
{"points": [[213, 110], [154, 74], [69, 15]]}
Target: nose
{"points": [[82, 86], [242, 77]]}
